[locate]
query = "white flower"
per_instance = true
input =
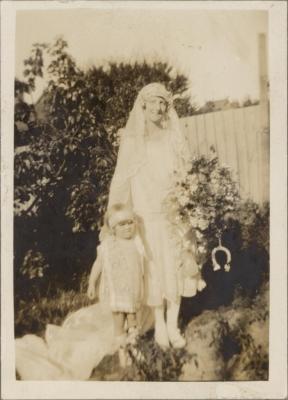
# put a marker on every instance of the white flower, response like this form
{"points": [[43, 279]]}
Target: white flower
{"points": [[183, 200], [193, 221], [229, 198], [215, 185], [203, 224], [193, 184], [201, 249]]}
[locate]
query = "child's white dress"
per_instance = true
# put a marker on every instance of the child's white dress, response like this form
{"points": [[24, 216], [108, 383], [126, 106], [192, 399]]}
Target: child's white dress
{"points": [[121, 284]]}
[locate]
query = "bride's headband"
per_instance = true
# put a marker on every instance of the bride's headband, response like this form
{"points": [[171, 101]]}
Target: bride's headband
{"points": [[155, 90]]}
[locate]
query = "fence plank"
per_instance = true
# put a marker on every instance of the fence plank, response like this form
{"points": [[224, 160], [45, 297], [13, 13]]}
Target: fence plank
{"points": [[265, 150], [231, 151], [185, 126], [240, 175], [201, 134], [190, 129], [253, 151], [210, 132], [258, 160], [220, 137], [242, 153]]}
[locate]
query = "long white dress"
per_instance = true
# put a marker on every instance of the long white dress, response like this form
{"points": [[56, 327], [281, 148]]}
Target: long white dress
{"points": [[149, 188]]}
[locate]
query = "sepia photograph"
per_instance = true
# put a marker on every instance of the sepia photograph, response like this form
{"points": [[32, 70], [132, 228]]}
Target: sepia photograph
{"points": [[141, 193]]}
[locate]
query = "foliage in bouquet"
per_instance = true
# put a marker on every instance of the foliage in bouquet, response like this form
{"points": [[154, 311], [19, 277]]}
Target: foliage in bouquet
{"points": [[200, 202]]}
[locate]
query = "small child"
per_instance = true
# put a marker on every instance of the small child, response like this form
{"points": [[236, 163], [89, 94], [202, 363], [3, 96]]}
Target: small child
{"points": [[120, 260]]}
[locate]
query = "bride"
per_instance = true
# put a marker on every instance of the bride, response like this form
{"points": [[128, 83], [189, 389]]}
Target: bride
{"points": [[152, 147]]}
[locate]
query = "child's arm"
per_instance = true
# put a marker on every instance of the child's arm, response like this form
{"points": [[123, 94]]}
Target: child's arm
{"points": [[94, 275]]}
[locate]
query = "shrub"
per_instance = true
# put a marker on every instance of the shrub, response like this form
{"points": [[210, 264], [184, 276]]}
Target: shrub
{"points": [[151, 363]]}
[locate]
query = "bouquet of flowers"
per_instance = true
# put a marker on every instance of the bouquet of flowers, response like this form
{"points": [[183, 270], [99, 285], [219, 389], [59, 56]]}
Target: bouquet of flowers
{"points": [[199, 203]]}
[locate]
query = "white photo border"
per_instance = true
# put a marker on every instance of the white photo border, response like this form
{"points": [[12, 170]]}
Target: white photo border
{"points": [[276, 386]]}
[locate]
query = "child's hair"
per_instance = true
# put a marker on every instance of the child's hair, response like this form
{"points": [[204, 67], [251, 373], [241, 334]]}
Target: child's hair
{"points": [[114, 209]]}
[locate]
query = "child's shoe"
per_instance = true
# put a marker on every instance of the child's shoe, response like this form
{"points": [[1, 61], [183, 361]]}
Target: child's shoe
{"points": [[120, 342], [122, 357]]}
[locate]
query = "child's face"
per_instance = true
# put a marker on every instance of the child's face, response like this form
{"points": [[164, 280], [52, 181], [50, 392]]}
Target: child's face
{"points": [[125, 227]]}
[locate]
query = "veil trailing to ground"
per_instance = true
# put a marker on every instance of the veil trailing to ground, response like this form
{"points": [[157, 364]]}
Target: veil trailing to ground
{"points": [[70, 351], [132, 149]]}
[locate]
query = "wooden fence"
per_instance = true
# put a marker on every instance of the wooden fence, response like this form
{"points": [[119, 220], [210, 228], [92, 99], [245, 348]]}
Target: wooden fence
{"points": [[241, 139]]}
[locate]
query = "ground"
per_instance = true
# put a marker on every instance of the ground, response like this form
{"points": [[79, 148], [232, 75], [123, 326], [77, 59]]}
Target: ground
{"points": [[230, 343]]}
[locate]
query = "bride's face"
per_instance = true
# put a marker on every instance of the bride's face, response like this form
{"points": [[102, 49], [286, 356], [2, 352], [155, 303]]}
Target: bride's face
{"points": [[155, 109]]}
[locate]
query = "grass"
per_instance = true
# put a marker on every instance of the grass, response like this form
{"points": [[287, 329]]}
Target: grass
{"points": [[33, 316]]}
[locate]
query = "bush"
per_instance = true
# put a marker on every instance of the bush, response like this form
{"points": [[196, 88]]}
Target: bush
{"points": [[151, 363], [204, 209], [148, 363]]}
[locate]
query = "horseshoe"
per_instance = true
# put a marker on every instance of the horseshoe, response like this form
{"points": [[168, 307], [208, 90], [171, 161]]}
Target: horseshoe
{"points": [[216, 266]]}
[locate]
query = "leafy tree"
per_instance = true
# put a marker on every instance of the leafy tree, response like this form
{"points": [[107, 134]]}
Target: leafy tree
{"points": [[66, 148], [247, 102]]}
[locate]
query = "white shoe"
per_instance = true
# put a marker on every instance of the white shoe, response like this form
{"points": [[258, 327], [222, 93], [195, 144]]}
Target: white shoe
{"points": [[161, 336], [176, 339]]}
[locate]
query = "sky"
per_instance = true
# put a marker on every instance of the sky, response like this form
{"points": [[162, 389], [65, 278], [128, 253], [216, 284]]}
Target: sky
{"points": [[217, 50]]}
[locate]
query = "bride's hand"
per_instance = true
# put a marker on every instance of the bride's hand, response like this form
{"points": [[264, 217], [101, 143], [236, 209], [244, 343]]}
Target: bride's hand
{"points": [[91, 292]]}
